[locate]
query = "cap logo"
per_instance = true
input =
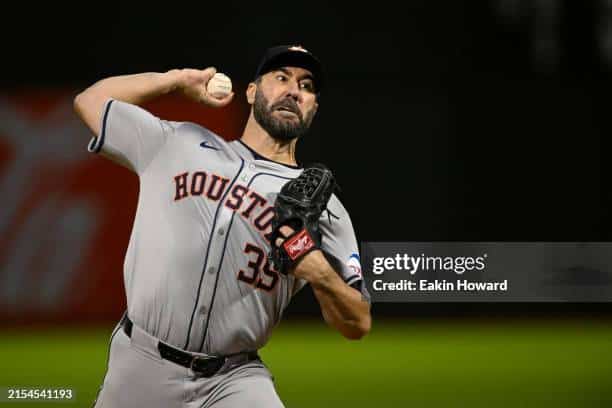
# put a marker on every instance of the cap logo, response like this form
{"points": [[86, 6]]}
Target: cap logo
{"points": [[297, 48]]}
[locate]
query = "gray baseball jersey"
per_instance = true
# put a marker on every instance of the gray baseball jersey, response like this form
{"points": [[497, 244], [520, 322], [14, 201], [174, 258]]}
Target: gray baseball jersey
{"points": [[196, 271]]}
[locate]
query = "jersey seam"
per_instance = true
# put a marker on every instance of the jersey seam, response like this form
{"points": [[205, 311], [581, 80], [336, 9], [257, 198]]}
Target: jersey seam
{"points": [[257, 156], [157, 153], [212, 300], [210, 239], [219, 266]]}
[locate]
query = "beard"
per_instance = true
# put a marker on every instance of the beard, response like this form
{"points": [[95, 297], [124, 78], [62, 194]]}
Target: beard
{"points": [[279, 129]]}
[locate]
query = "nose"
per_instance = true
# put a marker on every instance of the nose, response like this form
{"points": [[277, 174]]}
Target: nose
{"points": [[293, 91]]}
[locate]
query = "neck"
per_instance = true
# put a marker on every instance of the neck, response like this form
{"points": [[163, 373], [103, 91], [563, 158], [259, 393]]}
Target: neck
{"points": [[259, 140]]}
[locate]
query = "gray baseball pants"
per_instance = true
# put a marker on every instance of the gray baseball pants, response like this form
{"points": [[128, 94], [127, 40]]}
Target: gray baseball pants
{"points": [[137, 376]]}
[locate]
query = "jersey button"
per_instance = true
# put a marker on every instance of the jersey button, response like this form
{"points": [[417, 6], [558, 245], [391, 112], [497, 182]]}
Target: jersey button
{"points": [[211, 270], [252, 166], [221, 231]]}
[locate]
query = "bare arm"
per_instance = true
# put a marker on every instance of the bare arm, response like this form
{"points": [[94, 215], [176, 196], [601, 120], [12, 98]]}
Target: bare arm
{"points": [[342, 306], [141, 88]]}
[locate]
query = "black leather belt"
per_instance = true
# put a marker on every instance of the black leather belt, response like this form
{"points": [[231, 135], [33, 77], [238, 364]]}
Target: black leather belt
{"points": [[206, 366]]}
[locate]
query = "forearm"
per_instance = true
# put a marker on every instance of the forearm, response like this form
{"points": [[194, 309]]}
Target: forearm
{"points": [[135, 89], [342, 306]]}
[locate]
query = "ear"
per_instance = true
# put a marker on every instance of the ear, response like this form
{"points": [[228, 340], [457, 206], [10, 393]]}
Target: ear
{"points": [[250, 93]]}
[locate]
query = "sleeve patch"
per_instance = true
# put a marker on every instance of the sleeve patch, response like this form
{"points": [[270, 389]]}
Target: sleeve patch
{"points": [[354, 264]]}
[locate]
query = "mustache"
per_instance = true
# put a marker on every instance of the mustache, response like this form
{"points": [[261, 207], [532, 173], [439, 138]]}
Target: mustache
{"points": [[288, 104]]}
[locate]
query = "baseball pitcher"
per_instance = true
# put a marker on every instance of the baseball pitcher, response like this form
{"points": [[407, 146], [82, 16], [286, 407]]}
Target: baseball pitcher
{"points": [[224, 235]]}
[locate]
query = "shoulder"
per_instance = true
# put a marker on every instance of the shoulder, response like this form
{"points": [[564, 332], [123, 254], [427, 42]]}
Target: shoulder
{"points": [[336, 217], [194, 134], [336, 207]]}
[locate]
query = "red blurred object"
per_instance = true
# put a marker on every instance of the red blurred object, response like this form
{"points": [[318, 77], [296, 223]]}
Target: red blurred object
{"points": [[67, 214]]}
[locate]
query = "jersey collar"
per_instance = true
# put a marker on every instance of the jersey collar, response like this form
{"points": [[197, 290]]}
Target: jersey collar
{"points": [[258, 156]]}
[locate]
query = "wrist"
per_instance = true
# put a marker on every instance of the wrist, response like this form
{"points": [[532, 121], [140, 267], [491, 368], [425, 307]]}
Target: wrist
{"points": [[313, 267], [173, 80]]}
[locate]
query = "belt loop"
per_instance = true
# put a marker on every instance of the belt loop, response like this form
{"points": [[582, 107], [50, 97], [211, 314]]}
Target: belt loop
{"points": [[127, 325]]}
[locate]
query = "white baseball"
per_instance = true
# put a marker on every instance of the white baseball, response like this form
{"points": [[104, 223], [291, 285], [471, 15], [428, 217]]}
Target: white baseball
{"points": [[219, 86]]}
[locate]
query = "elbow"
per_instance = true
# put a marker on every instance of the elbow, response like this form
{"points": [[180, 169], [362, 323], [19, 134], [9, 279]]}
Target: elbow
{"points": [[358, 330], [77, 102], [83, 100], [89, 100], [80, 102], [88, 107]]}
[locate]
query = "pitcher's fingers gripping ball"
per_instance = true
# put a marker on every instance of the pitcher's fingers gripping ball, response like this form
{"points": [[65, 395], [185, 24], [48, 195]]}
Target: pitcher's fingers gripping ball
{"points": [[219, 86], [299, 205]]}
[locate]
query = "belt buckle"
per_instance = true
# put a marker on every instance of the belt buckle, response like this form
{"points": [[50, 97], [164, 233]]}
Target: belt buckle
{"points": [[210, 369]]}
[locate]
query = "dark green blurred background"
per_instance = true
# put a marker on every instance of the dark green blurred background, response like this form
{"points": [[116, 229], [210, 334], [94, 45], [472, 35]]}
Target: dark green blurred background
{"points": [[402, 363]]}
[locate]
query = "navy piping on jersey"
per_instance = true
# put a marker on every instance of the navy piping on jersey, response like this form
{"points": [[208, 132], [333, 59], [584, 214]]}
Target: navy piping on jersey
{"points": [[351, 277], [212, 300], [258, 156], [103, 133], [210, 239]]}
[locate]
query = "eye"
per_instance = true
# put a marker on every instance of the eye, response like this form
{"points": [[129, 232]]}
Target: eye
{"points": [[281, 77], [307, 85]]}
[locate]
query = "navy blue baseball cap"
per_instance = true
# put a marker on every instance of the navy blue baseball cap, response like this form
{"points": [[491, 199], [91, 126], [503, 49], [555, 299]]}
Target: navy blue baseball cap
{"points": [[291, 56]]}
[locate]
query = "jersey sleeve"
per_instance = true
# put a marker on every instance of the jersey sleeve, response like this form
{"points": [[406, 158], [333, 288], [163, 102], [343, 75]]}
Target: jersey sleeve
{"points": [[129, 135], [340, 245]]}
